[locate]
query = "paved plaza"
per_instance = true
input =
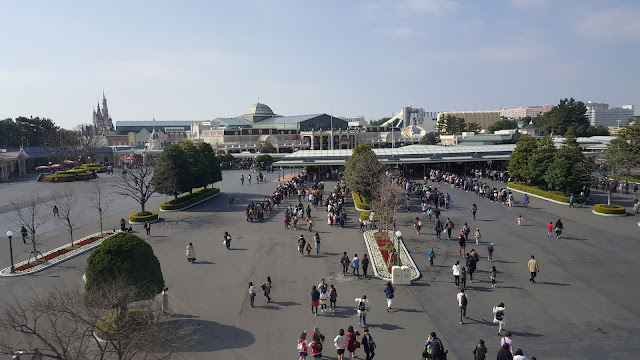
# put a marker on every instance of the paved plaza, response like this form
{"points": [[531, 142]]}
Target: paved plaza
{"points": [[584, 305]]}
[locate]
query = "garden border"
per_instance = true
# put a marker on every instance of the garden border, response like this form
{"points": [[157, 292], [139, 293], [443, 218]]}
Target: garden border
{"points": [[538, 196], [603, 214], [371, 258], [36, 269], [194, 204]]}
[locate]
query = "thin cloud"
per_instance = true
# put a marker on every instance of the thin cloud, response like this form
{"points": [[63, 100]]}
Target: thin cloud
{"points": [[528, 4], [428, 6], [513, 52], [610, 24], [399, 32]]}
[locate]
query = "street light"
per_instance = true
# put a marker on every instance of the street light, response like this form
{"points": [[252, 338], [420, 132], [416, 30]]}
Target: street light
{"points": [[398, 237], [9, 235]]}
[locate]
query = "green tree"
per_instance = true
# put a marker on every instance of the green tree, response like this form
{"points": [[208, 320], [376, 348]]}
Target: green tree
{"points": [[567, 172], [429, 139], [363, 171], [502, 124], [127, 258], [379, 122], [210, 157], [26, 131], [540, 160], [519, 161], [172, 172], [472, 127], [569, 114], [264, 159], [451, 124], [200, 170]]}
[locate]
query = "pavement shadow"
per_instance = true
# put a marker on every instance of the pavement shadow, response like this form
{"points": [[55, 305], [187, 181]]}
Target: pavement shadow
{"points": [[525, 334], [385, 326], [406, 310], [553, 283], [208, 336], [420, 284], [234, 249], [285, 303], [203, 262], [344, 313]]}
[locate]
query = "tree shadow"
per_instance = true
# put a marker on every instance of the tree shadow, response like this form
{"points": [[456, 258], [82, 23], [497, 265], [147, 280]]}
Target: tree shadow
{"points": [[211, 336]]}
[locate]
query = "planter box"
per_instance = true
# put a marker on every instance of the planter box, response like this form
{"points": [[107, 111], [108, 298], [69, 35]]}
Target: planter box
{"points": [[133, 219], [189, 200]]}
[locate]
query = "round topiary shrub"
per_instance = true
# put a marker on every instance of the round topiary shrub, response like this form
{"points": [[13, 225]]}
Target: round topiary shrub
{"points": [[142, 217], [128, 260], [610, 209]]}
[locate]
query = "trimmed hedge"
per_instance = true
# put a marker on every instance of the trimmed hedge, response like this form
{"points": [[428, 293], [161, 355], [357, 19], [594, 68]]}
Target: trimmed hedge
{"points": [[136, 218], [365, 215], [626, 178], [360, 203], [610, 209], [188, 199], [549, 194]]}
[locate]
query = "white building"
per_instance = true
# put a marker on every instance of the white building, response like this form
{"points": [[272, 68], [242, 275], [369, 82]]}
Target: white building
{"points": [[522, 112], [600, 114]]}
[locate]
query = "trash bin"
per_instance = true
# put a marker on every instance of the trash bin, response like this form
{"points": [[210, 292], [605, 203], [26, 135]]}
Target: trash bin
{"points": [[406, 275], [396, 275]]}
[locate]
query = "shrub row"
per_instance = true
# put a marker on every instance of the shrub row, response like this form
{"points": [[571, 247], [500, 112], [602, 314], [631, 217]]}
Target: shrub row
{"points": [[549, 194], [360, 203], [143, 217], [188, 199], [365, 215], [610, 209]]}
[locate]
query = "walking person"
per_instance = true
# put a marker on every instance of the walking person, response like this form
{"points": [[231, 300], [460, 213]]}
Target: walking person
{"points": [[418, 225], [506, 340], [490, 252], [365, 265], [147, 226], [477, 235], [438, 229], [456, 273], [533, 269], [227, 240], [345, 263], [363, 307], [23, 232], [231, 202], [504, 353], [303, 346], [355, 264], [323, 288], [301, 243], [252, 293], [525, 203], [389, 295], [492, 274], [559, 228], [549, 229], [55, 211], [480, 352], [315, 300], [340, 342], [316, 239], [463, 300], [449, 227], [191, 253], [310, 223], [463, 278], [474, 209], [351, 341], [165, 301], [333, 297], [471, 266], [266, 288], [462, 244], [432, 255], [499, 317], [368, 344], [316, 347]]}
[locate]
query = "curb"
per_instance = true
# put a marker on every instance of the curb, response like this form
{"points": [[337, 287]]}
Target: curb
{"points": [[539, 197], [601, 214], [142, 222], [56, 262], [194, 204]]}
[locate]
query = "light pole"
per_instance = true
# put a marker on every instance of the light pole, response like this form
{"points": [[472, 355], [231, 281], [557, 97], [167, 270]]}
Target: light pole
{"points": [[398, 237], [9, 235]]}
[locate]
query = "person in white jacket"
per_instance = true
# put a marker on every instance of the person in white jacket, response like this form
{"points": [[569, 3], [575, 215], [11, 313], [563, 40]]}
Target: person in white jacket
{"points": [[191, 253], [340, 343], [456, 273], [363, 308]]}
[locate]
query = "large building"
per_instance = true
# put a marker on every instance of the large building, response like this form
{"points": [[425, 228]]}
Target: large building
{"points": [[522, 112], [101, 119], [419, 120], [600, 114], [483, 118]]}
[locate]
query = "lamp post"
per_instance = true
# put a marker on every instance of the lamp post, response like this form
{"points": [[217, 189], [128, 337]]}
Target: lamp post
{"points": [[398, 237], [9, 235]]}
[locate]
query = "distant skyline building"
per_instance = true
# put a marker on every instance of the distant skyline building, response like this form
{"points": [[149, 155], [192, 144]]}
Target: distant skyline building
{"points": [[101, 119], [522, 112], [483, 118], [601, 114]]}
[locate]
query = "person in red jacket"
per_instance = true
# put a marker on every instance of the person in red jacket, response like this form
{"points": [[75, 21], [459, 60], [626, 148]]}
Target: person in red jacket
{"points": [[550, 229], [316, 347]]}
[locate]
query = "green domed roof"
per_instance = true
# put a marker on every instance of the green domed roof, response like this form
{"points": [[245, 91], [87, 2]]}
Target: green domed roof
{"points": [[259, 109]]}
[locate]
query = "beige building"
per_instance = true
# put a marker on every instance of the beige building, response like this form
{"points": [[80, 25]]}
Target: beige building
{"points": [[483, 118]]}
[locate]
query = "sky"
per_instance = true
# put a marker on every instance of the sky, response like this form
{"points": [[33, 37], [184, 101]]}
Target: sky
{"points": [[198, 60]]}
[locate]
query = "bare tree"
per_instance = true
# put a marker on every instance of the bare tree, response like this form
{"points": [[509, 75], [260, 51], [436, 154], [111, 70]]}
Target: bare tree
{"points": [[136, 183], [29, 213], [613, 164], [88, 138], [62, 325], [100, 199], [66, 200], [387, 200]]}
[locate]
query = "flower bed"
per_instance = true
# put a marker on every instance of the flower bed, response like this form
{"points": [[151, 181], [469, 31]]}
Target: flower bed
{"points": [[382, 248], [549, 194], [186, 200], [57, 255]]}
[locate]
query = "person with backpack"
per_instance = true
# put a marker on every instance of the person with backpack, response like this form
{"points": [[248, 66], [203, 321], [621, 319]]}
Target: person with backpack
{"points": [[368, 344], [463, 300], [490, 252], [499, 316], [345, 263], [324, 295], [449, 227], [389, 295], [492, 273], [467, 231], [302, 346], [433, 348], [316, 347], [525, 203], [301, 243], [462, 244], [363, 307]]}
